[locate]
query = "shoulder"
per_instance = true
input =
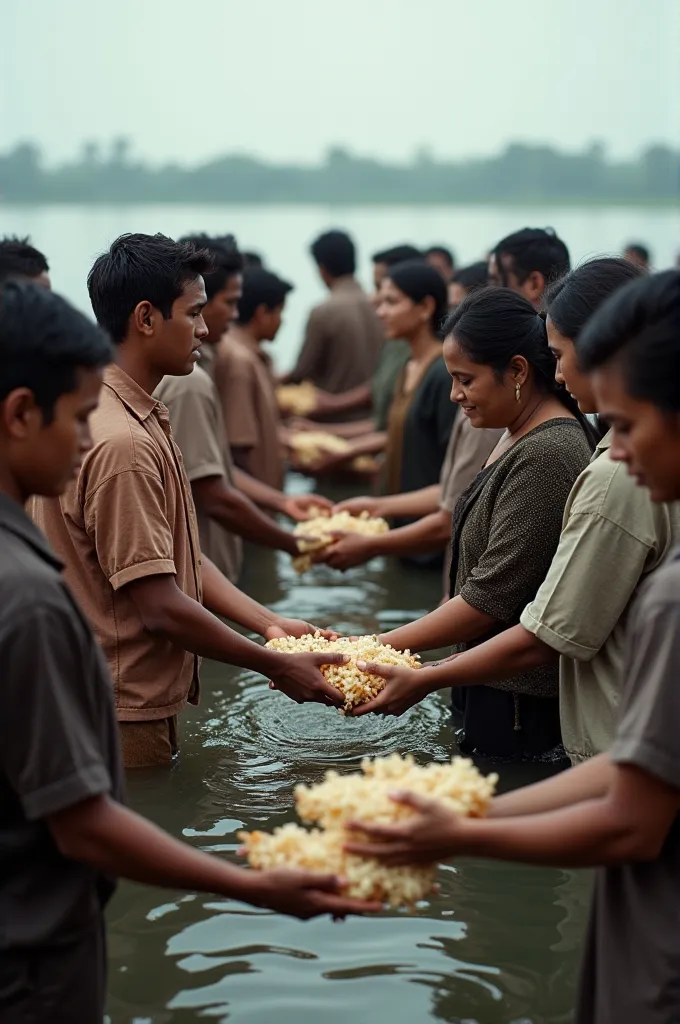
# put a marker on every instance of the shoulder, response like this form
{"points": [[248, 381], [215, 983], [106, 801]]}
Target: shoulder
{"points": [[232, 359], [121, 445], [174, 389], [30, 589], [559, 443], [605, 487]]}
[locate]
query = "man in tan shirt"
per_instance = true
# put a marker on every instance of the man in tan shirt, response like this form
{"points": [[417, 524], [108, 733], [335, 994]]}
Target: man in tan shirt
{"points": [[126, 530], [244, 379], [344, 338], [225, 514]]}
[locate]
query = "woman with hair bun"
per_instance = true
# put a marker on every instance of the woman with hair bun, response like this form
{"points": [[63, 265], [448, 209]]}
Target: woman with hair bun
{"points": [[506, 525]]}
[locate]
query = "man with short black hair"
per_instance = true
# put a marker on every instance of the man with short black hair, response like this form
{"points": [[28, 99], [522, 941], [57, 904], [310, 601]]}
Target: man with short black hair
{"points": [[386, 258], [225, 514], [638, 254], [65, 836], [528, 261], [442, 259], [127, 529], [343, 339], [19, 260]]}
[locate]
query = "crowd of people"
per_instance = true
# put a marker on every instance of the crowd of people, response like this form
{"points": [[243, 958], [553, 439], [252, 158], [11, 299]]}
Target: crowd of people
{"points": [[522, 420]]}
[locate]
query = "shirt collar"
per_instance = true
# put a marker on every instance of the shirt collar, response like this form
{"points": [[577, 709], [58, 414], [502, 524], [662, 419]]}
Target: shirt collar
{"points": [[14, 519], [130, 393], [605, 443]]}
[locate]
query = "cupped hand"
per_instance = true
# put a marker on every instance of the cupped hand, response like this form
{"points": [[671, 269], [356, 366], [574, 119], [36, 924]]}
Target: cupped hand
{"points": [[355, 506], [403, 688], [301, 507], [304, 894], [348, 550], [432, 834], [300, 678]]}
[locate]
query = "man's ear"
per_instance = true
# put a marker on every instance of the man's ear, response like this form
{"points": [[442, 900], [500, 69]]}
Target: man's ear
{"points": [[20, 416], [144, 318]]}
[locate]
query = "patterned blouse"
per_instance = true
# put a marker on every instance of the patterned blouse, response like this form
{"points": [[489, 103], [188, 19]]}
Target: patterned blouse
{"points": [[506, 527]]}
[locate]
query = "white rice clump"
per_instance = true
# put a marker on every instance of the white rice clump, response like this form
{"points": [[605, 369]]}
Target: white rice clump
{"points": [[296, 399], [357, 686], [318, 533], [458, 784]]}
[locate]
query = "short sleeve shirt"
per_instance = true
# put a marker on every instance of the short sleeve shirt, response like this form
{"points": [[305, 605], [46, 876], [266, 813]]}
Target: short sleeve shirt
{"points": [[129, 515], [198, 428], [251, 414], [58, 741], [613, 535], [631, 966]]}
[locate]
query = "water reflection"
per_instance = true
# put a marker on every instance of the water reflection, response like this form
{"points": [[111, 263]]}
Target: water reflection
{"points": [[497, 945]]}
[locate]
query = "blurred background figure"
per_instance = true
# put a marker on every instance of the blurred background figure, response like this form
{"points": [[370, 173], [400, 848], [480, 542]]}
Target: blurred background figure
{"points": [[466, 280], [443, 260], [386, 258], [528, 261], [252, 259], [638, 254], [19, 260]]}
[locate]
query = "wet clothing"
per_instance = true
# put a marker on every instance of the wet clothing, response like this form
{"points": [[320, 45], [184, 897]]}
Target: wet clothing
{"points": [[631, 962], [506, 528]]}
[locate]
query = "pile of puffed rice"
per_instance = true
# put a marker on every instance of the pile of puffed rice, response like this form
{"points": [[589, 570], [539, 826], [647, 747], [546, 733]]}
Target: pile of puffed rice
{"points": [[296, 399], [309, 447], [317, 533], [340, 798], [357, 686]]}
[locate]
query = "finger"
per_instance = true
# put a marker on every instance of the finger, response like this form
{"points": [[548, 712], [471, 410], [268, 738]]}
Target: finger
{"points": [[332, 658], [323, 883], [386, 853], [343, 905], [378, 706], [415, 800], [372, 667], [391, 833]]}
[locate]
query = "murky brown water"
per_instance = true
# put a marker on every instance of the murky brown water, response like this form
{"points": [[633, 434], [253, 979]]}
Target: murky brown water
{"points": [[499, 944]]}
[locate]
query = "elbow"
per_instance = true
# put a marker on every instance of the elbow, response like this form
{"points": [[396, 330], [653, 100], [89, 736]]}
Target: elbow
{"points": [[642, 846]]}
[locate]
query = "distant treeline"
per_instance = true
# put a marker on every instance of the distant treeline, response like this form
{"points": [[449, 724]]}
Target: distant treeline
{"points": [[522, 173]]}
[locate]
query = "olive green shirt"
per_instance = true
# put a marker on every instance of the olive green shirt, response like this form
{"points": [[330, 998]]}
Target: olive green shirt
{"points": [[613, 536]]}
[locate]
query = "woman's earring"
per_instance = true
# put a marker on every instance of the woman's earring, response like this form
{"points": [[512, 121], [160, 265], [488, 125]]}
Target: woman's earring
{"points": [[518, 392]]}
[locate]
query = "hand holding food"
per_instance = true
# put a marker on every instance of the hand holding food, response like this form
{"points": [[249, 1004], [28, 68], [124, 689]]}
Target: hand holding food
{"points": [[318, 533]]}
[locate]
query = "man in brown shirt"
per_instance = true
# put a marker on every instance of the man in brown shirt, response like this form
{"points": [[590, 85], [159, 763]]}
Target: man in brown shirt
{"points": [[344, 338], [126, 530], [245, 382], [225, 514]]}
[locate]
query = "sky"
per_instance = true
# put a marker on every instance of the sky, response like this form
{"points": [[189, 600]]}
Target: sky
{"points": [[286, 79]]}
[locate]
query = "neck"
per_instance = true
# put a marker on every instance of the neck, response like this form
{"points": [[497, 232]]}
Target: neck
{"points": [[133, 363], [526, 411], [10, 486], [245, 332], [422, 344]]}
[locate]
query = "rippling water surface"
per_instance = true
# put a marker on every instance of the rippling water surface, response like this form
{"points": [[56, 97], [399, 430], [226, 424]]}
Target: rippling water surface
{"points": [[498, 945]]}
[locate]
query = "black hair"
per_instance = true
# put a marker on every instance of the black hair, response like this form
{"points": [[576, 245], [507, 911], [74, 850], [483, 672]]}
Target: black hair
{"points": [[476, 275], [252, 259], [44, 341], [533, 249], [640, 326], [639, 250], [571, 301], [441, 250], [494, 324], [397, 254], [226, 258], [18, 258], [139, 268], [335, 252], [419, 281], [260, 288]]}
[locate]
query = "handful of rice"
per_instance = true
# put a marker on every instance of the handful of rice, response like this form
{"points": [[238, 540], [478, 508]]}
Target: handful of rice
{"points": [[338, 799], [357, 686], [310, 446], [317, 533], [296, 399]]}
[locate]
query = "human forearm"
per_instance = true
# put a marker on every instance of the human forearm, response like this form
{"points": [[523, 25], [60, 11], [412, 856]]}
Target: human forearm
{"points": [[222, 598], [508, 654], [587, 781], [116, 841], [454, 622], [346, 401], [237, 513], [431, 533], [262, 494]]}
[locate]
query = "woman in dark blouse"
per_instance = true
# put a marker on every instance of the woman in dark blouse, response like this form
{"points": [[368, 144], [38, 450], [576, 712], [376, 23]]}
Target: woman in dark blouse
{"points": [[506, 526]]}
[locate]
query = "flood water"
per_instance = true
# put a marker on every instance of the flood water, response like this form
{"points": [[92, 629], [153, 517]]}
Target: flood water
{"points": [[499, 944]]}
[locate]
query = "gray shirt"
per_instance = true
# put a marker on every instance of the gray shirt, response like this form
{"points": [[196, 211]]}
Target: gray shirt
{"points": [[631, 967], [58, 741]]}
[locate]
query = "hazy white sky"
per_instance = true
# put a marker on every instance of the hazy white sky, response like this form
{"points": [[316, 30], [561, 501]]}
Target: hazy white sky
{"points": [[287, 78]]}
